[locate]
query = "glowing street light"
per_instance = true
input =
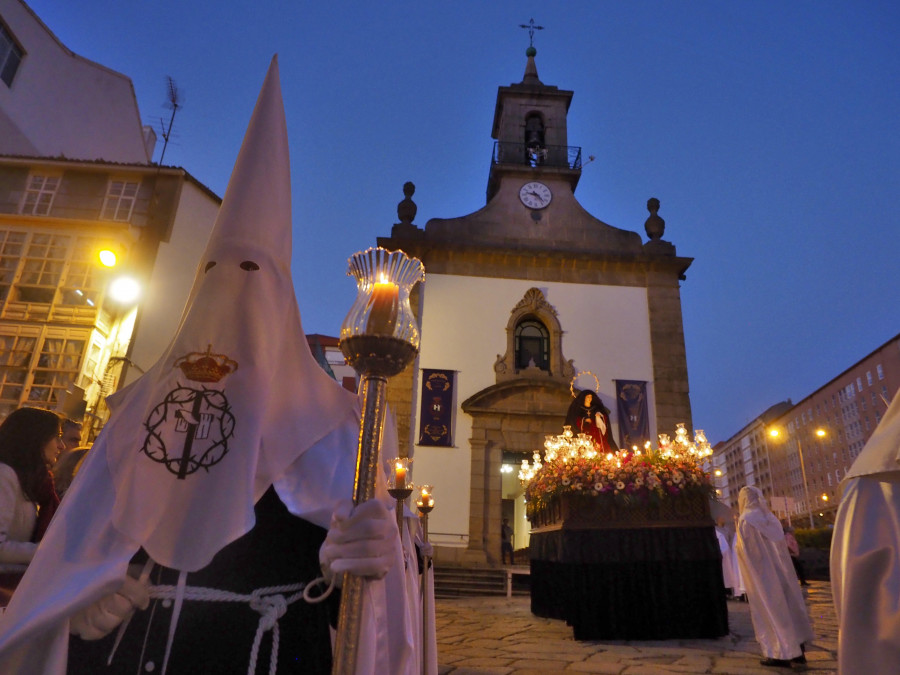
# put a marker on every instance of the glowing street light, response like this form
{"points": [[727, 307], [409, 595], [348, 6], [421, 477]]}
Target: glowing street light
{"points": [[124, 290], [107, 258]]}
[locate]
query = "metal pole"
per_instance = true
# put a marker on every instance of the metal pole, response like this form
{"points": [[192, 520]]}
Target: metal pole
{"points": [[374, 390], [805, 484], [426, 562]]}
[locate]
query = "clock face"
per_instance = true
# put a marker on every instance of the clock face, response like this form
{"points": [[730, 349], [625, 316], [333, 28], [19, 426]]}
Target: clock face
{"points": [[535, 195]]}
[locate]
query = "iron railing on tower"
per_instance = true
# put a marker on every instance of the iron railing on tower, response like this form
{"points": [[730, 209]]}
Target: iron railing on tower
{"points": [[555, 156]]}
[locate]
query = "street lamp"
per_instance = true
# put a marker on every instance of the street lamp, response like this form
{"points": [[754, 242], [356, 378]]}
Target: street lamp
{"points": [[774, 433]]}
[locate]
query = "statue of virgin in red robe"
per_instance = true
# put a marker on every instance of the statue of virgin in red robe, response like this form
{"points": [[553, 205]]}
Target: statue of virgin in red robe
{"points": [[588, 415]]}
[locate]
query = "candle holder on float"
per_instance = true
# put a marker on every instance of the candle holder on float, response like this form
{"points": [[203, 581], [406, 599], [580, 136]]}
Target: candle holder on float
{"points": [[399, 488], [425, 504], [379, 338]]}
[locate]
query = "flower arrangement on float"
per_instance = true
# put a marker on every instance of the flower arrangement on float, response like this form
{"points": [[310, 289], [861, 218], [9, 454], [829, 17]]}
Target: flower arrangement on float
{"points": [[571, 464]]}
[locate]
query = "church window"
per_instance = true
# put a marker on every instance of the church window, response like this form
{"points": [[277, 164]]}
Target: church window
{"points": [[10, 56], [532, 345]]}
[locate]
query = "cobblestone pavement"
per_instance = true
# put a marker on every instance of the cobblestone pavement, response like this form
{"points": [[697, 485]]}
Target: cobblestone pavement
{"points": [[500, 636]]}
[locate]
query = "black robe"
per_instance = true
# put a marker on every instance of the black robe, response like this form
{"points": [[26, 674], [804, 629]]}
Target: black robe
{"points": [[216, 637]]}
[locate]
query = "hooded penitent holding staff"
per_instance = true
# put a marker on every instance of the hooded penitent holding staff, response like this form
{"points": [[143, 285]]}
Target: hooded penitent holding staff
{"points": [[865, 555], [215, 480]]}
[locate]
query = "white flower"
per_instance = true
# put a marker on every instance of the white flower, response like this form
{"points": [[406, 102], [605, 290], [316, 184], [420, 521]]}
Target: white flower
{"points": [[565, 480], [598, 487], [620, 485], [677, 477]]}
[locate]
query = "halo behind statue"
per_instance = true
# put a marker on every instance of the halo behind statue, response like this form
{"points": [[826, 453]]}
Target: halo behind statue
{"points": [[572, 389]]}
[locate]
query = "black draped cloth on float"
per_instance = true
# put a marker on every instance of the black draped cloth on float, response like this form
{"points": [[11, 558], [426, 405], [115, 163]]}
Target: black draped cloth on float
{"points": [[652, 583], [216, 637]]}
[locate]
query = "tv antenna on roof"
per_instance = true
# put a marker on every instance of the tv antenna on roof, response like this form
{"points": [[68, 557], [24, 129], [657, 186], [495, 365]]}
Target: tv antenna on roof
{"points": [[173, 102]]}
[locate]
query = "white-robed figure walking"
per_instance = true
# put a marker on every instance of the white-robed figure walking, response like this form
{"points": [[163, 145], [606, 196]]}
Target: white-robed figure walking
{"points": [[865, 555], [777, 609], [218, 474]]}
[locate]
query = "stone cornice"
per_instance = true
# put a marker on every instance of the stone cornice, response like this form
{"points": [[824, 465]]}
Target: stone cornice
{"points": [[540, 265]]}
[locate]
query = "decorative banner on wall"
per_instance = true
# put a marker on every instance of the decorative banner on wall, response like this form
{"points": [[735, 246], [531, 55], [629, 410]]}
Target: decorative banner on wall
{"points": [[435, 427], [634, 413]]}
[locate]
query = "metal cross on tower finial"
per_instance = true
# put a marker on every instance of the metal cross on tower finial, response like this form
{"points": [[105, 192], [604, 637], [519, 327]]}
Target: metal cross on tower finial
{"points": [[531, 28]]}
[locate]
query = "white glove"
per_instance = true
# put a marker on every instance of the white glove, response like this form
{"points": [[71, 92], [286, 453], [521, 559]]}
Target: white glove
{"points": [[426, 549], [361, 540], [105, 615]]}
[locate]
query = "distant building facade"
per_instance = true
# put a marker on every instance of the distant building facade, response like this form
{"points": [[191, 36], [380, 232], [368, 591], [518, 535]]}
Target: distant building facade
{"points": [[798, 456], [76, 177]]}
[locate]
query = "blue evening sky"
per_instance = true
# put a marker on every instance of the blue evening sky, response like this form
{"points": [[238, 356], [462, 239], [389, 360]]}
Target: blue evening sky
{"points": [[767, 129]]}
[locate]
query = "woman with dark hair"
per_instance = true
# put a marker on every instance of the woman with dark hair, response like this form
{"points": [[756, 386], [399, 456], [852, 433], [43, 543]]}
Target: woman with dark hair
{"points": [[588, 415], [29, 444]]}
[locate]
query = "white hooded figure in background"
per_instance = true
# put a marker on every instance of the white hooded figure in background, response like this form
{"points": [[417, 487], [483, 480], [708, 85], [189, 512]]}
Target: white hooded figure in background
{"points": [[780, 619], [219, 472], [865, 555]]}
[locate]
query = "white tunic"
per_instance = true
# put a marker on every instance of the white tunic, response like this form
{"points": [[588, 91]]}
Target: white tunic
{"points": [[865, 575], [865, 555], [777, 608]]}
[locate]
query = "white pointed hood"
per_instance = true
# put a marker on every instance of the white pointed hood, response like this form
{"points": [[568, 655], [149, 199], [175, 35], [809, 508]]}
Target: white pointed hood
{"points": [[237, 397], [881, 454]]}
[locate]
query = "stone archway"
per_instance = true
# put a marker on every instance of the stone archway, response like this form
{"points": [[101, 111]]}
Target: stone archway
{"points": [[513, 416]]}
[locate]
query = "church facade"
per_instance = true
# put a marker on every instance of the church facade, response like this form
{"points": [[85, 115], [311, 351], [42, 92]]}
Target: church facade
{"points": [[526, 301]]}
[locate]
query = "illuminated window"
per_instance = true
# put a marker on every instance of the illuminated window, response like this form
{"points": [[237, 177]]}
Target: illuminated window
{"points": [[42, 268], [16, 351], [57, 367]]}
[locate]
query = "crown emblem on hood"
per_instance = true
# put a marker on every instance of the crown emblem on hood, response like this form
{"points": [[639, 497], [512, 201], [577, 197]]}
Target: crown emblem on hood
{"points": [[205, 366]]}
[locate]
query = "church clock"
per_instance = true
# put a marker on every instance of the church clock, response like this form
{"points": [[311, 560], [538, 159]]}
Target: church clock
{"points": [[535, 195]]}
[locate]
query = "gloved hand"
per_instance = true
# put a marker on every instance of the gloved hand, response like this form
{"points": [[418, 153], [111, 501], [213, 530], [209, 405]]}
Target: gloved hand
{"points": [[425, 548], [361, 540], [104, 616]]}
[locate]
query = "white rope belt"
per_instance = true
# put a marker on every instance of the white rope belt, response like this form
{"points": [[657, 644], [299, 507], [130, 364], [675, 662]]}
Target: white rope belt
{"points": [[270, 602]]}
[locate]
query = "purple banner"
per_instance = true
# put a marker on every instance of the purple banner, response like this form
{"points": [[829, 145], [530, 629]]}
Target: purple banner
{"points": [[436, 418], [634, 413]]}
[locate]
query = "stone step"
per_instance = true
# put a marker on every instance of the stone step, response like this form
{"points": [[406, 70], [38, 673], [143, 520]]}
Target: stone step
{"points": [[454, 582]]}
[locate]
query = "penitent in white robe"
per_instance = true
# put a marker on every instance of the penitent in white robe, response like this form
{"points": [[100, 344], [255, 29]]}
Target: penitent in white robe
{"points": [[865, 555], [235, 405], [780, 619]]}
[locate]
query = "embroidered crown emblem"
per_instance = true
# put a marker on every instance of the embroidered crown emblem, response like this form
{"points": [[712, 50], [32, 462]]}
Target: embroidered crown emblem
{"points": [[205, 366]]}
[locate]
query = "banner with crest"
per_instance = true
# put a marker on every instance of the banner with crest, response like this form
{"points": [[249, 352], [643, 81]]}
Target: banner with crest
{"points": [[633, 412], [436, 418]]}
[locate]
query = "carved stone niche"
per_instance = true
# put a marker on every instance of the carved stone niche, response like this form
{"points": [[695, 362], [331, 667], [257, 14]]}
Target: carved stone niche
{"points": [[534, 306]]}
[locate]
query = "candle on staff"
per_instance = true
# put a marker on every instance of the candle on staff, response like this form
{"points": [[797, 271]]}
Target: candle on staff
{"points": [[399, 476], [384, 307]]}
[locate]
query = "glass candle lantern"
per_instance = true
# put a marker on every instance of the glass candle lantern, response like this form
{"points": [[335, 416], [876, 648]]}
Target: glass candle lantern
{"points": [[380, 334], [425, 499], [399, 478]]}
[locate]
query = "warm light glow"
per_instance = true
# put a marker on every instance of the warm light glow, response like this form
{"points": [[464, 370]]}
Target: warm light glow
{"points": [[107, 258], [774, 433], [820, 433], [718, 472], [124, 289], [824, 498]]}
